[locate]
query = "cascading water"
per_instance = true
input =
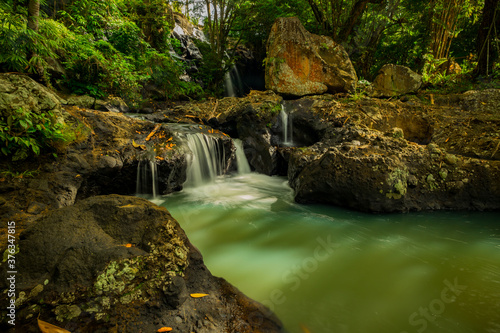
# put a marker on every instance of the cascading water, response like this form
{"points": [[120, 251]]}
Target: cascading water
{"points": [[287, 126], [241, 159], [207, 159], [229, 85], [147, 178], [233, 83]]}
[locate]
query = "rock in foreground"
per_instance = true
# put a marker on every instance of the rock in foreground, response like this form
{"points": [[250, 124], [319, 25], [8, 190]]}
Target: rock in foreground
{"points": [[121, 264]]}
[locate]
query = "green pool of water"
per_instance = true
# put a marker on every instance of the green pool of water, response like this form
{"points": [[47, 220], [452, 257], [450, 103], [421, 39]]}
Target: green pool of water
{"points": [[326, 269]]}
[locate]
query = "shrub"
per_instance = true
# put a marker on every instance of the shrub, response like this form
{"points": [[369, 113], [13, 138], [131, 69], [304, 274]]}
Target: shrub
{"points": [[126, 38], [24, 133]]}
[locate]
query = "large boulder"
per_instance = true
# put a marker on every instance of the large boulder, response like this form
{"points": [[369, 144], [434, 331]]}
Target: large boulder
{"points": [[121, 264], [394, 80], [20, 91], [368, 170], [301, 63], [251, 119]]}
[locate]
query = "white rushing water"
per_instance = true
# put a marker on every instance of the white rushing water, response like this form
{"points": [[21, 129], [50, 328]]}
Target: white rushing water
{"points": [[206, 160], [233, 83], [324, 269], [241, 160], [147, 178], [287, 126]]}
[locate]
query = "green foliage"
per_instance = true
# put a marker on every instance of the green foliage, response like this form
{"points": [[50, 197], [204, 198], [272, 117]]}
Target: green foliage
{"points": [[22, 49], [89, 16], [106, 47], [19, 174], [211, 71], [165, 73], [126, 38], [154, 18], [255, 18], [429, 72], [24, 133]]}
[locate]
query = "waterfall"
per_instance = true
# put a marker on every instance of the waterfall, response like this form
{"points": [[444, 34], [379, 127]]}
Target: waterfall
{"points": [[241, 159], [206, 161], [147, 178], [286, 126], [229, 85], [233, 82]]}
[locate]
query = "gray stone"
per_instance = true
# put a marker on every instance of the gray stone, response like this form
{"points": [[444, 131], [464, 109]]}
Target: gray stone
{"points": [[84, 101], [21, 91], [395, 80]]}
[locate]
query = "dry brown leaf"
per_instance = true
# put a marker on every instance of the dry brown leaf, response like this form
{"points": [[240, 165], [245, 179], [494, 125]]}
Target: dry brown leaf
{"points": [[165, 329], [49, 328], [136, 145], [304, 328], [150, 135]]}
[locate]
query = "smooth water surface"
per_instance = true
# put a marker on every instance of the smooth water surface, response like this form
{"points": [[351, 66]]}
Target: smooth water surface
{"points": [[325, 269]]}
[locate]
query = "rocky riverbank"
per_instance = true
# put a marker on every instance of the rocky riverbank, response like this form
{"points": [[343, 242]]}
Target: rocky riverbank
{"points": [[122, 264], [419, 152], [89, 260], [95, 260]]}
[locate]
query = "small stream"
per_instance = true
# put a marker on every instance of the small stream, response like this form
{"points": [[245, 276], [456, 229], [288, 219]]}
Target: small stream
{"points": [[326, 269]]}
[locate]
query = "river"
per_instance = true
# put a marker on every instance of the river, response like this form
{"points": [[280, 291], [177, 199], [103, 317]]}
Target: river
{"points": [[327, 269]]}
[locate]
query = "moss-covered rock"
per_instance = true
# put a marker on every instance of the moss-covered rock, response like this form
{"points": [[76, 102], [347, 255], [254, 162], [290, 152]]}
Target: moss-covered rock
{"points": [[121, 263], [300, 63]]}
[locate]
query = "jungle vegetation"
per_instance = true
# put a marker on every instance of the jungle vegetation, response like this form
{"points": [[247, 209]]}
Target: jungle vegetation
{"points": [[120, 47]]}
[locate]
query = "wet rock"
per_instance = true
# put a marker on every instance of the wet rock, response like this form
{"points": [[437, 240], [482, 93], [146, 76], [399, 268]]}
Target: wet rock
{"points": [[449, 67], [450, 159], [381, 173], [395, 80], [176, 293], [121, 263], [300, 63], [114, 104], [251, 120]]}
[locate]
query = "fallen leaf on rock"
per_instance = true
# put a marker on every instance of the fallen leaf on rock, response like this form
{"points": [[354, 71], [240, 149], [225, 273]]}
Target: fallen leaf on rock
{"points": [[165, 329], [197, 295], [128, 245], [153, 132], [136, 145], [49, 328], [304, 328]]}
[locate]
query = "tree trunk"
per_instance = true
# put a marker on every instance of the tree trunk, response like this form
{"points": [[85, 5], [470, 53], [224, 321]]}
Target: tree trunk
{"points": [[485, 36], [320, 18], [353, 19], [33, 14]]}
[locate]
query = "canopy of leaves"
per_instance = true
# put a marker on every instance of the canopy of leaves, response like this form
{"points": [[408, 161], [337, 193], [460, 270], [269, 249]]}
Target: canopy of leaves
{"points": [[105, 47], [122, 46]]}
